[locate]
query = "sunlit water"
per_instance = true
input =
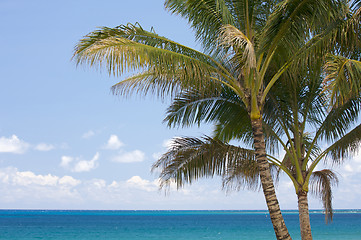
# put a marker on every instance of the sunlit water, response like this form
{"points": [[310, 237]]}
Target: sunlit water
{"points": [[169, 225]]}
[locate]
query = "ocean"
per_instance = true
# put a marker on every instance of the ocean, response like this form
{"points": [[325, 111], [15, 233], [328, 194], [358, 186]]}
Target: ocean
{"points": [[168, 225]]}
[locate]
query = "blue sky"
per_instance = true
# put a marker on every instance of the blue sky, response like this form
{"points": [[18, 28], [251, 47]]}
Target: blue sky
{"points": [[67, 143]]}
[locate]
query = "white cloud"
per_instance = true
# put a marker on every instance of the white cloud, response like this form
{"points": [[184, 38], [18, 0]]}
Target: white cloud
{"points": [[113, 143], [98, 183], [69, 181], [142, 184], [65, 161], [130, 157], [27, 178], [44, 147], [88, 134], [13, 145], [86, 166], [79, 165]]}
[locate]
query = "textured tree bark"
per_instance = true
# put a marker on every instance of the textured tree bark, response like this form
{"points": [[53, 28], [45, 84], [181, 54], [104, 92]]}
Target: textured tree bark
{"points": [[304, 216], [279, 225]]}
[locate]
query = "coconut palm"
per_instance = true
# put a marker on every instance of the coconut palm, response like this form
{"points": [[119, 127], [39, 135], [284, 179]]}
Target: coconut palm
{"points": [[295, 115], [247, 46], [307, 121]]}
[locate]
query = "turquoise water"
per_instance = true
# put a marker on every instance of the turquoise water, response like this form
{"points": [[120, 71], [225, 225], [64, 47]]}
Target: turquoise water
{"points": [[168, 225]]}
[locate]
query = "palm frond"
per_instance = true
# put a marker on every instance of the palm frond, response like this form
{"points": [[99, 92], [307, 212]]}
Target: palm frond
{"points": [[294, 20], [193, 107], [231, 36], [321, 183], [347, 36], [343, 79], [346, 146], [148, 82], [192, 158], [131, 48], [338, 121], [242, 174]]}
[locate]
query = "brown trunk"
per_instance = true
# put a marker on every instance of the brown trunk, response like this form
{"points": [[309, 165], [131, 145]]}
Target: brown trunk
{"points": [[279, 225], [304, 216]]}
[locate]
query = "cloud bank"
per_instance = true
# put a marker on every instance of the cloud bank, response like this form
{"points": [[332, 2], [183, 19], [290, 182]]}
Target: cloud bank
{"points": [[66, 192]]}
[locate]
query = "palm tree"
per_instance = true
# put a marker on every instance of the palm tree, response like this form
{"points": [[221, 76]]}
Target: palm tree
{"points": [[247, 46], [303, 113], [292, 109]]}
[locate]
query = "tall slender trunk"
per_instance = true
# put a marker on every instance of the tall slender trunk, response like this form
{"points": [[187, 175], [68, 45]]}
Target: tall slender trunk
{"points": [[278, 222], [304, 216]]}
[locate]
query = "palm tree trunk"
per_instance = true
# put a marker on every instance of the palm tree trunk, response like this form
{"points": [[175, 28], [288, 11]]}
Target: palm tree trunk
{"points": [[304, 216], [278, 222]]}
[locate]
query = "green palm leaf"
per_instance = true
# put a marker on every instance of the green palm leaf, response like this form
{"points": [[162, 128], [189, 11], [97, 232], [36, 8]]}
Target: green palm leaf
{"points": [[347, 146], [130, 47], [339, 120], [191, 158], [343, 78]]}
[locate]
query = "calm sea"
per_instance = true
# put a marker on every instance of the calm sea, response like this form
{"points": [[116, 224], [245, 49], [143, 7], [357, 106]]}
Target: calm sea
{"points": [[168, 225]]}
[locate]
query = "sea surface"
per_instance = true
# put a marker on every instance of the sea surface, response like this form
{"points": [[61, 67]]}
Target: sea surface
{"points": [[168, 225]]}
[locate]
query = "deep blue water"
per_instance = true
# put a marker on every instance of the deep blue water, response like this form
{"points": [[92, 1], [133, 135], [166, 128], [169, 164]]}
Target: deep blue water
{"points": [[168, 225]]}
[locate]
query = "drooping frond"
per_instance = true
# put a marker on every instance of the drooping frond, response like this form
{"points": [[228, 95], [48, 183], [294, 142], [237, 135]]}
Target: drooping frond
{"points": [[242, 174], [347, 146], [343, 79], [191, 158], [321, 183], [230, 36]]}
